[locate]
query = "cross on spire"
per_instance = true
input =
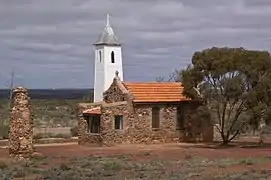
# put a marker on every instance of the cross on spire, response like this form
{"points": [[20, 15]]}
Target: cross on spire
{"points": [[117, 73], [116, 78]]}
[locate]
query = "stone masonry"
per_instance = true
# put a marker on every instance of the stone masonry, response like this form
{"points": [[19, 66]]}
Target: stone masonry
{"points": [[178, 120], [137, 125], [84, 137], [137, 128], [110, 135], [166, 132], [21, 124]]}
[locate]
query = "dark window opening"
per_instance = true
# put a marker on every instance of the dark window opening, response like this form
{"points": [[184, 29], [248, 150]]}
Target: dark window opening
{"points": [[180, 119], [155, 117], [112, 57], [119, 122], [93, 124], [100, 56]]}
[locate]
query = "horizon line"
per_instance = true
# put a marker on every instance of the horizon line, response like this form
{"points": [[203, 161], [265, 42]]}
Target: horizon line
{"points": [[50, 88]]}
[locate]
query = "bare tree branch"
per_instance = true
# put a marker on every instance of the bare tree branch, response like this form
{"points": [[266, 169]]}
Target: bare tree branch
{"points": [[11, 87]]}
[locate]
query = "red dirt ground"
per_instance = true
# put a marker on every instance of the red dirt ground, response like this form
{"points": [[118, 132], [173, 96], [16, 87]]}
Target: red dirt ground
{"points": [[171, 151], [62, 153]]}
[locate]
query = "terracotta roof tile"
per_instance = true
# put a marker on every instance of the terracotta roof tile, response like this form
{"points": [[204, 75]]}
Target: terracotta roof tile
{"points": [[156, 91], [96, 110]]}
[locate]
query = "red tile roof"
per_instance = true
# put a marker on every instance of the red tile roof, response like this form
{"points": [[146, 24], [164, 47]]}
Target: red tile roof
{"points": [[150, 92], [156, 91], [96, 110]]}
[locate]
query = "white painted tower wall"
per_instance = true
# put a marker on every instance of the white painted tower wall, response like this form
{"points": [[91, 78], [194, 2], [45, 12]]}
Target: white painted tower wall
{"points": [[105, 70]]}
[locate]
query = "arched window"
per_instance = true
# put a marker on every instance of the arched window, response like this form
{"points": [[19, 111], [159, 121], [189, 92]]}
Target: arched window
{"points": [[100, 56], [112, 57]]}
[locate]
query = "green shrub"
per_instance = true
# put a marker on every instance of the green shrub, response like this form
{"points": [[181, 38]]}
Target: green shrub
{"points": [[38, 136], [42, 135], [3, 164], [4, 131], [65, 136], [50, 135], [74, 131]]}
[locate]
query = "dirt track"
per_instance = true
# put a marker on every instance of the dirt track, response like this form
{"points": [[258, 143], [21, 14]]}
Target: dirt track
{"points": [[168, 151]]}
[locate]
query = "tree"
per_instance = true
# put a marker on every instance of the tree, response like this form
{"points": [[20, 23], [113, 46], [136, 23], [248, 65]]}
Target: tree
{"points": [[230, 82], [172, 77], [4, 123], [11, 85], [259, 101]]}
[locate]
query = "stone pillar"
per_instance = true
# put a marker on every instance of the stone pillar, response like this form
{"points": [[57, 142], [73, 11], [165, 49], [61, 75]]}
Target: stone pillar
{"points": [[21, 125], [82, 130]]}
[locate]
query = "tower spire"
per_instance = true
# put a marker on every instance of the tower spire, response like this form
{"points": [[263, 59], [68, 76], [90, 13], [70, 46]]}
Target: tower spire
{"points": [[108, 37], [108, 60], [107, 20]]}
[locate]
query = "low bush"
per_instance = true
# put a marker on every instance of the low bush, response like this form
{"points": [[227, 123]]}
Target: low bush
{"points": [[38, 136], [3, 164], [4, 131], [74, 131], [43, 135], [50, 135], [65, 136]]}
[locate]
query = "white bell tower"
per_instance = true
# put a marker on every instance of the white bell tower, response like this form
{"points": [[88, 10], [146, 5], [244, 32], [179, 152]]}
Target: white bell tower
{"points": [[108, 60]]}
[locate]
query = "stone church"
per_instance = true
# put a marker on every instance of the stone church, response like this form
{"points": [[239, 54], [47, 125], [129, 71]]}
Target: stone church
{"points": [[135, 112]]}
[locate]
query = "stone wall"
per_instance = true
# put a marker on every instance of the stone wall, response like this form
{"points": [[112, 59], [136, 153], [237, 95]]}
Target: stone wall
{"points": [[109, 133], [137, 125], [166, 132], [21, 124], [84, 137], [114, 93]]}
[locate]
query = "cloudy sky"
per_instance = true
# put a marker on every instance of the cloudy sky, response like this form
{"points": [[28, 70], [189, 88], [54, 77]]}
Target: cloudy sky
{"points": [[48, 43]]}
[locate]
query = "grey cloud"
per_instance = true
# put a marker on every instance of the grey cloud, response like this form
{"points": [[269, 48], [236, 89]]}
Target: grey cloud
{"points": [[54, 38], [261, 3]]}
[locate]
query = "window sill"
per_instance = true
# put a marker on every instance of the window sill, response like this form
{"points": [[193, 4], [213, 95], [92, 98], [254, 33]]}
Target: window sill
{"points": [[93, 134], [156, 129]]}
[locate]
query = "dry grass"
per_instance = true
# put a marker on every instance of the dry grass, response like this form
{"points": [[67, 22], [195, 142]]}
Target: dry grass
{"points": [[55, 131], [141, 162]]}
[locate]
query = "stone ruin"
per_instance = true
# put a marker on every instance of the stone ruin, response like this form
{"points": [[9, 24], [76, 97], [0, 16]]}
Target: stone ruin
{"points": [[21, 125]]}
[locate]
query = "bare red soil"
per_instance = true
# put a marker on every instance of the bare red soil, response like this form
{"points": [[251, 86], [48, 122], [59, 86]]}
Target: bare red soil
{"points": [[171, 151], [62, 153]]}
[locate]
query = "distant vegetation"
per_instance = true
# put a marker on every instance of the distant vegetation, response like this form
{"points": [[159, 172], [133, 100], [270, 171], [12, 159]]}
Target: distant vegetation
{"points": [[54, 93], [51, 108], [55, 112]]}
